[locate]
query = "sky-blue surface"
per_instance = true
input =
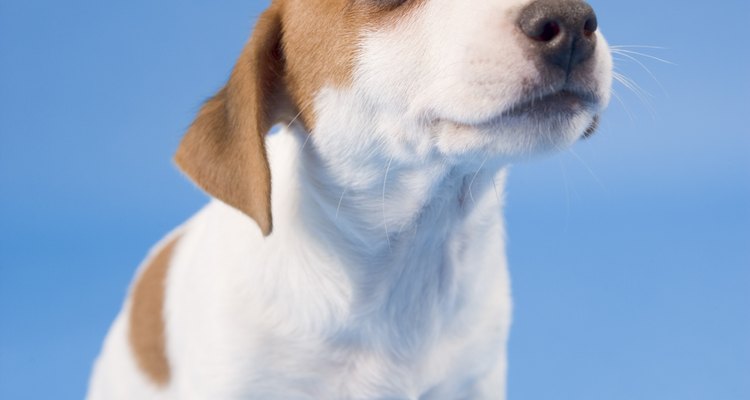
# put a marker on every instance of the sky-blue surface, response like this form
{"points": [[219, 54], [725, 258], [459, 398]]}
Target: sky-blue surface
{"points": [[630, 254]]}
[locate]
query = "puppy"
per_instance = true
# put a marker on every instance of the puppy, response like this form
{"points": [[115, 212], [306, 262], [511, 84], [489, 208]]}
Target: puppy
{"points": [[357, 253]]}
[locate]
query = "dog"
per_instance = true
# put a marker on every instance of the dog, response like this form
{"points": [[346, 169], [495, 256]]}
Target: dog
{"points": [[357, 252]]}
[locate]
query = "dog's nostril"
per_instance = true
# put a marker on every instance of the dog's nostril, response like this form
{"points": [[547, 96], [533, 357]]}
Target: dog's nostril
{"points": [[591, 25], [549, 32]]}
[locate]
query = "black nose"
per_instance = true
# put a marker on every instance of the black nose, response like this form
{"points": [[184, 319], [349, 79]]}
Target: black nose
{"points": [[561, 30]]}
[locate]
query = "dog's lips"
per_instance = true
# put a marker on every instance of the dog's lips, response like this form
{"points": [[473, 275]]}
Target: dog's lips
{"points": [[564, 101], [560, 104]]}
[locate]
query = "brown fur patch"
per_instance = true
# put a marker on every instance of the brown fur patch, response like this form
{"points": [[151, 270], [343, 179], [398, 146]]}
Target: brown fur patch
{"points": [[320, 42], [297, 48], [147, 329]]}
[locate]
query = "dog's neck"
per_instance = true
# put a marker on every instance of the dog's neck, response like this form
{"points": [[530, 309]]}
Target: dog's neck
{"points": [[399, 235], [399, 204]]}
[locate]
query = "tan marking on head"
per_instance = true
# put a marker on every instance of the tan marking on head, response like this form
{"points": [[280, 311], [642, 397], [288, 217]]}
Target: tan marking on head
{"points": [[320, 43], [147, 329]]}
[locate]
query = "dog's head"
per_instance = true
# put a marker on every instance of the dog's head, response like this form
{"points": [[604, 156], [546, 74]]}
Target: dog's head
{"points": [[406, 79]]}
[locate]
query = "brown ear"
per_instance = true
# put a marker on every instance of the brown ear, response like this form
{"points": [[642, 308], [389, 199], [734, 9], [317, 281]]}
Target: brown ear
{"points": [[224, 152]]}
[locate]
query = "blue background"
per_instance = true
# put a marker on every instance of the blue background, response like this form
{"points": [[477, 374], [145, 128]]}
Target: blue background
{"points": [[630, 254]]}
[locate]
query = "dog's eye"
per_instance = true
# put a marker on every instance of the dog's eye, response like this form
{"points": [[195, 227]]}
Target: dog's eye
{"points": [[392, 3], [388, 4]]}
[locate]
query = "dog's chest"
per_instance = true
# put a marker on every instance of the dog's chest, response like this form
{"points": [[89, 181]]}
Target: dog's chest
{"points": [[373, 374], [272, 325], [338, 367]]}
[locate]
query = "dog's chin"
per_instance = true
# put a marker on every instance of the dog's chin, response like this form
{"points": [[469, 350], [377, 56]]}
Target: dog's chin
{"points": [[530, 127]]}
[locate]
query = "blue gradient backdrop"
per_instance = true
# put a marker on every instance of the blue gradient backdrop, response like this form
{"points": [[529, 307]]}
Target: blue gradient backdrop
{"points": [[630, 254]]}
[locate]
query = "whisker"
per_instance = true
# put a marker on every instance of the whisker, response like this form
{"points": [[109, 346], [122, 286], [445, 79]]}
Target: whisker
{"points": [[385, 220], [632, 46], [636, 89], [302, 109], [588, 168], [624, 106], [308, 134], [304, 144], [289, 125], [497, 192], [341, 199], [647, 70], [632, 85], [623, 52], [474, 178], [567, 194]]}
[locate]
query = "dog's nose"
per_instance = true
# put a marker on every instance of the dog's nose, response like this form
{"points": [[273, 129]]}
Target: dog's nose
{"points": [[561, 30]]}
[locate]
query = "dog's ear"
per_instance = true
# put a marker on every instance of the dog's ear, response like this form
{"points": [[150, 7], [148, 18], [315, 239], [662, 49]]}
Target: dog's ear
{"points": [[223, 151]]}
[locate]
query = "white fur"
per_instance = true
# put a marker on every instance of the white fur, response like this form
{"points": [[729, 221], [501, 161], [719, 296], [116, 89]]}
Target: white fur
{"points": [[385, 276]]}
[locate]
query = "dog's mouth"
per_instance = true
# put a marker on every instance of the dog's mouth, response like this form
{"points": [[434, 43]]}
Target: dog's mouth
{"points": [[556, 106], [564, 101]]}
